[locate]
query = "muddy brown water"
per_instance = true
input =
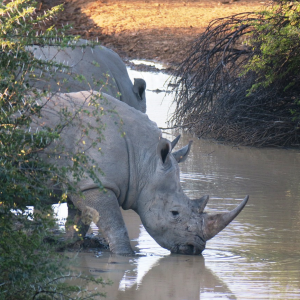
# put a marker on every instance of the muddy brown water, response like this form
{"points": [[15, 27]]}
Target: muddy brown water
{"points": [[256, 257]]}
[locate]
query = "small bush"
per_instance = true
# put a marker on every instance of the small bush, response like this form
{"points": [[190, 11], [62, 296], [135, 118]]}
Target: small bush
{"points": [[29, 267]]}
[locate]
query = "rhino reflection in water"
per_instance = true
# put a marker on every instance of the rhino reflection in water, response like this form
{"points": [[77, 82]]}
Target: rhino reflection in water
{"points": [[148, 277], [140, 173]]}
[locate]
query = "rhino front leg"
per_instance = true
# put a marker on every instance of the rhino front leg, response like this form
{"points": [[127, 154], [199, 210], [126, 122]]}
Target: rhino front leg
{"points": [[74, 220], [103, 209]]}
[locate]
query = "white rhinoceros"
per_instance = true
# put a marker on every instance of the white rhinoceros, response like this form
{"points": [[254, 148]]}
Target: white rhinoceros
{"points": [[102, 68], [140, 173]]}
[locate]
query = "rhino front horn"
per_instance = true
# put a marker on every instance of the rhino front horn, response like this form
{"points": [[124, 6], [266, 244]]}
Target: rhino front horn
{"points": [[213, 224]]}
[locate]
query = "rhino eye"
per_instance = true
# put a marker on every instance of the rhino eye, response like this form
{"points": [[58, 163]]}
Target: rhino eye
{"points": [[175, 213]]}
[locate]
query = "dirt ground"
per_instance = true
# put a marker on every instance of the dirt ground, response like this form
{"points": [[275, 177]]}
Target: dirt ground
{"points": [[160, 30]]}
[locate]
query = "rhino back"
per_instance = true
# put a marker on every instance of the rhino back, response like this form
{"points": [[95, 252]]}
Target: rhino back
{"points": [[101, 67], [80, 62]]}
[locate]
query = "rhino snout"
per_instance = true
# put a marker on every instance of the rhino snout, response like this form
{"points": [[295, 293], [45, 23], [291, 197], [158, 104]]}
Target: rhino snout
{"points": [[188, 249], [193, 247]]}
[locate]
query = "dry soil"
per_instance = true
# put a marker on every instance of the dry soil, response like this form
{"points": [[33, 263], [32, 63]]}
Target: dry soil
{"points": [[155, 30]]}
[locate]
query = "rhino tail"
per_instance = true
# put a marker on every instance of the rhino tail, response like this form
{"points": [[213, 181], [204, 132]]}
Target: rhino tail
{"points": [[139, 88]]}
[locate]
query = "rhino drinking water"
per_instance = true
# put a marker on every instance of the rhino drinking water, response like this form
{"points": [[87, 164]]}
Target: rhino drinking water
{"points": [[101, 67], [140, 173]]}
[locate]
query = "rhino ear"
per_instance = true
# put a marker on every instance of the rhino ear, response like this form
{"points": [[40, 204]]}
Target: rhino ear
{"points": [[175, 141], [164, 149], [139, 88], [182, 154]]}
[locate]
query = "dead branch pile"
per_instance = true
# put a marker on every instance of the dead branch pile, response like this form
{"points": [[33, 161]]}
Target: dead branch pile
{"points": [[211, 95]]}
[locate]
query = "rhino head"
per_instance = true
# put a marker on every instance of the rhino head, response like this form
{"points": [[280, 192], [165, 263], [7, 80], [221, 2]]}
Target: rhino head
{"points": [[176, 222]]}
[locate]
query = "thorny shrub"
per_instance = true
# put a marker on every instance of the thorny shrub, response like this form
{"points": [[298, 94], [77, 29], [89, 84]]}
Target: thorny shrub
{"points": [[239, 82]]}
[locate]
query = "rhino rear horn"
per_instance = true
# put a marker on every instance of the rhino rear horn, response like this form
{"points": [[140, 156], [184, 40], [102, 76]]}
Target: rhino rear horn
{"points": [[200, 204], [182, 154], [139, 88], [213, 224]]}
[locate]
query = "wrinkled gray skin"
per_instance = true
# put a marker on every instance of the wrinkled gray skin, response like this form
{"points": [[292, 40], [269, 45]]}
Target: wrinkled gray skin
{"points": [[109, 71], [142, 174]]}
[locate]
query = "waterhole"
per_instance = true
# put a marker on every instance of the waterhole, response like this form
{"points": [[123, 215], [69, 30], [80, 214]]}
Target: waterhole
{"points": [[256, 257]]}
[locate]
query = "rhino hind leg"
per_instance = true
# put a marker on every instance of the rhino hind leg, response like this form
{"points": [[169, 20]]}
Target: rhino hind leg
{"points": [[103, 208]]}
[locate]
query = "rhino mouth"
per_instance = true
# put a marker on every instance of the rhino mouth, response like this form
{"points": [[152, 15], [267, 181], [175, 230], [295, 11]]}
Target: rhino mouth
{"points": [[187, 249]]}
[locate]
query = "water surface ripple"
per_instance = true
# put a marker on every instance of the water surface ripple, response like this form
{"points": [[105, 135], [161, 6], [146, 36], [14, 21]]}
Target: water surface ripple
{"points": [[256, 257]]}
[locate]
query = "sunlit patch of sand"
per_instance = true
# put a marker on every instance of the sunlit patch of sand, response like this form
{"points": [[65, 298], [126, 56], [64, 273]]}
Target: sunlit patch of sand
{"points": [[118, 16], [159, 30]]}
